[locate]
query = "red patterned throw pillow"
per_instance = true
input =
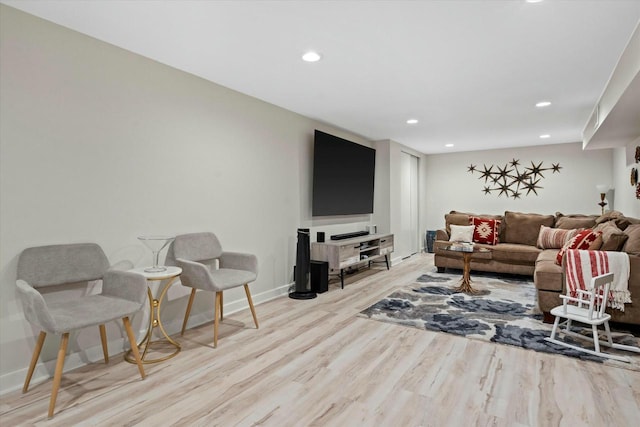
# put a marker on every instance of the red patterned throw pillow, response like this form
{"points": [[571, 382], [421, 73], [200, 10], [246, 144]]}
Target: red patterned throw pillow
{"points": [[485, 230], [585, 240]]}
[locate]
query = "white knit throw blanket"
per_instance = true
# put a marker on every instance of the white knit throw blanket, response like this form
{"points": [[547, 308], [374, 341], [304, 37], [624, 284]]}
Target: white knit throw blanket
{"points": [[581, 266]]}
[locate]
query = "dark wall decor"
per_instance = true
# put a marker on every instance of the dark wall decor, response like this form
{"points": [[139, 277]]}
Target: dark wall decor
{"points": [[513, 180], [634, 174]]}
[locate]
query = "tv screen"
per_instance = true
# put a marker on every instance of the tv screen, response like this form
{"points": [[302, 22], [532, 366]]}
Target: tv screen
{"points": [[343, 175]]}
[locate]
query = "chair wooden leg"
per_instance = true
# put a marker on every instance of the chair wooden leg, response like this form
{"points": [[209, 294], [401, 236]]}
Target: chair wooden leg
{"points": [[134, 345], [186, 314], [253, 310], [216, 318], [221, 306], [103, 338], [34, 360], [57, 376]]}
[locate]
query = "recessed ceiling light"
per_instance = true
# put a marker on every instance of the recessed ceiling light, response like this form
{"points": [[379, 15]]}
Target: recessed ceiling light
{"points": [[412, 121], [311, 56], [543, 104], [534, 1], [448, 145], [545, 136]]}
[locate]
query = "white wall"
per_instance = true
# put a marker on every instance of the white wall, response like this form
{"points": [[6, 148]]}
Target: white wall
{"points": [[451, 187], [99, 144]]}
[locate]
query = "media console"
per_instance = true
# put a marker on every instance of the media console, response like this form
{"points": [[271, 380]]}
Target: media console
{"points": [[350, 252]]}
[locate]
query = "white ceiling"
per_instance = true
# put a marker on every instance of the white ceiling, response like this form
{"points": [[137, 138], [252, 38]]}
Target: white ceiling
{"points": [[469, 71]]}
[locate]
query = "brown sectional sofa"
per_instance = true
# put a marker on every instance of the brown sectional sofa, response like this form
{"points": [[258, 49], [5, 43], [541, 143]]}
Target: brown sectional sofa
{"points": [[517, 253]]}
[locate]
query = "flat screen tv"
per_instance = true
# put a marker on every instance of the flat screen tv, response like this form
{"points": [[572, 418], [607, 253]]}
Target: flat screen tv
{"points": [[343, 176]]}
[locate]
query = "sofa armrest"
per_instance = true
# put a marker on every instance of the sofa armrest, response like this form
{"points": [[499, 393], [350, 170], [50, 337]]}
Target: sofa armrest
{"points": [[442, 234]]}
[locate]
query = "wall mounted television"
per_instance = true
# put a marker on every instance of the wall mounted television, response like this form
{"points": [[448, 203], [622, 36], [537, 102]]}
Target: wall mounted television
{"points": [[343, 176]]}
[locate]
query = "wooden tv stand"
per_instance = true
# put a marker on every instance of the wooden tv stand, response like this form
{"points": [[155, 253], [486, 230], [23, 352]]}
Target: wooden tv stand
{"points": [[342, 254]]}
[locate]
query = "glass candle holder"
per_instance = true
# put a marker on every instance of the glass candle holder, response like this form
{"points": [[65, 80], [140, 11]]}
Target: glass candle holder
{"points": [[156, 244]]}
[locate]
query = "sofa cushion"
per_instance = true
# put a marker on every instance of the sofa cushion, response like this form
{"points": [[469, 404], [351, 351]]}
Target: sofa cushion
{"points": [[513, 253], [617, 217], [632, 245], [575, 221], [485, 230], [585, 240], [632, 220], [455, 218], [523, 228], [548, 274], [623, 223], [554, 238], [548, 255], [614, 243]]}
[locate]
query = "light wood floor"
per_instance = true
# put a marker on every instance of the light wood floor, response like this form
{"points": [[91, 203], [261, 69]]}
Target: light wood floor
{"points": [[314, 363]]}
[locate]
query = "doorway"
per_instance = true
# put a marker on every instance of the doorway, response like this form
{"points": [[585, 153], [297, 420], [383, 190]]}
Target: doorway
{"points": [[408, 242]]}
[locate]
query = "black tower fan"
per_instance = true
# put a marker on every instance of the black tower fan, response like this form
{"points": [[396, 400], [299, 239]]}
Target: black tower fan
{"points": [[303, 267]]}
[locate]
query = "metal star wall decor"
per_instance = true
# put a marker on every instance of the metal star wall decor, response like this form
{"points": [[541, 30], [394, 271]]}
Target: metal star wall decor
{"points": [[510, 180]]}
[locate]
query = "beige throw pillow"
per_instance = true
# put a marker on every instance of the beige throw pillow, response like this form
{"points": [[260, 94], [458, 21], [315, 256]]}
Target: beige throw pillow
{"points": [[608, 229], [461, 233], [554, 238]]}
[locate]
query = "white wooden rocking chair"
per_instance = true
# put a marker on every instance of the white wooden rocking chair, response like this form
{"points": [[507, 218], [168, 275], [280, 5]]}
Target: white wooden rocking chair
{"points": [[589, 309]]}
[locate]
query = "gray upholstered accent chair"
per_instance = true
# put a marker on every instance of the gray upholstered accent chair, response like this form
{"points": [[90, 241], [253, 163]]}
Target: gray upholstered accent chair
{"points": [[207, 267], [40, 272]]}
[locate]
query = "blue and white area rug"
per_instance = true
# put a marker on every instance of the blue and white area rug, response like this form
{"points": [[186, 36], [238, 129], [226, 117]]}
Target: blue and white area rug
{"points": [[507, 314]]}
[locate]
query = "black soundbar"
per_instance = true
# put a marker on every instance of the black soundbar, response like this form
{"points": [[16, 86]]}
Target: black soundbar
{"points": [[349, 235]]}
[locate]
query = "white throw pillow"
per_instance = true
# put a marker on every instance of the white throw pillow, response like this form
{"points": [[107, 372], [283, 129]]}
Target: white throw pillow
{"points": [[461, 233]]}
